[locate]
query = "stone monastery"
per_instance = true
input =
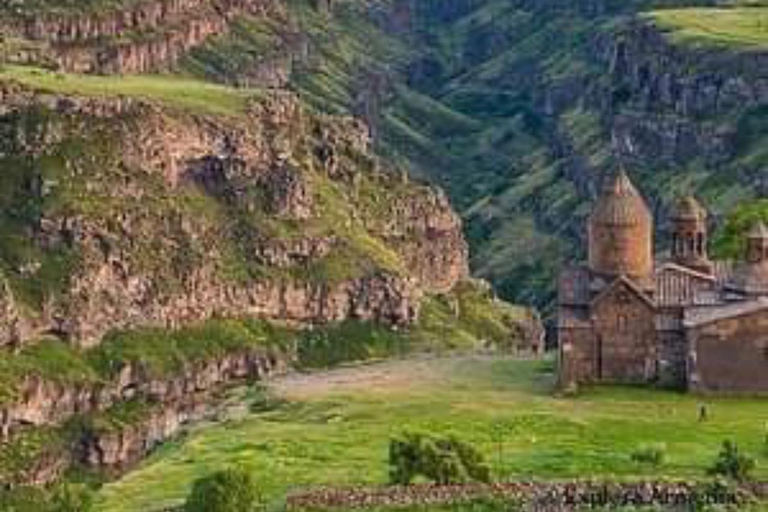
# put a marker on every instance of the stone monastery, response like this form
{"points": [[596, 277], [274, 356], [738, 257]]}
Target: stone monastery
{"points": [[686, 321]]}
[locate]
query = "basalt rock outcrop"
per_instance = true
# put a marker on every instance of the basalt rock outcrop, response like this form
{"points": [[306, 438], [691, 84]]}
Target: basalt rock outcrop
{"points": [[663, 94], [164, 218], [138, 38], [96, 439], [585, 87]]}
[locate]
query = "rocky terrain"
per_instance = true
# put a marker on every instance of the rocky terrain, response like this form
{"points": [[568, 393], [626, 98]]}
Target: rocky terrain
{"points": [[139, 37], [166, 218], [302, 202], [131, 227], [518, 110]]}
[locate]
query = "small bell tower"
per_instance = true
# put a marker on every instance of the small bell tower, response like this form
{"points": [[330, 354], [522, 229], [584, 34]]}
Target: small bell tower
{"points": [[689, 235], [757, 243]]}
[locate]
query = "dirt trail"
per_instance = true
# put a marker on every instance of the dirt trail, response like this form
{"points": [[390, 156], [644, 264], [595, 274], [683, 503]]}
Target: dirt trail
{"points": [[385, 375]]}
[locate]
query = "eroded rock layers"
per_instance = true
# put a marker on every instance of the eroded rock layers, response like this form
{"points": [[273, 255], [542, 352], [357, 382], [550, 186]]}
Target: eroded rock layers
{"points": [[141, 37], [141, 216]]}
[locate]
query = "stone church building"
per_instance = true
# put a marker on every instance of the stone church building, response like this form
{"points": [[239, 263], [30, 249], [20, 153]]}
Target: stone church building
{"points": [[685, 321]]}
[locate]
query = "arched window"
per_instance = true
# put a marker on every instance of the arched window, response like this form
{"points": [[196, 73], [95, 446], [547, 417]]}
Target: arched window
{"points": [[700, 244]]}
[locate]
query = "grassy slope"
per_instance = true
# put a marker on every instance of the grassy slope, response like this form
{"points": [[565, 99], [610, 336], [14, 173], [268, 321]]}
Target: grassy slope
{"points": [[188, 94], [470, 123], [64, 7], [161, 352], [335, 430], [744, 27], [352, 211], [167, 354]]}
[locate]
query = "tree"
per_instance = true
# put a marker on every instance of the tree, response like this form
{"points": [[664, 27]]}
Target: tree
{"points": [[231, 490], [731, 463]]}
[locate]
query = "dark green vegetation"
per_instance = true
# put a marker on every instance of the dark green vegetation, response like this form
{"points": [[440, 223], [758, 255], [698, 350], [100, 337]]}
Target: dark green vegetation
{"points": [[62, 498], [160, 352], [334, 428], [732, 463], [231, 490], [730, 242], [514, 108], [447, 460]]}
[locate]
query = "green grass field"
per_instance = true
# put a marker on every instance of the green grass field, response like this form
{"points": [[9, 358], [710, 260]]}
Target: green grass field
{"points": [[744, 27], [187, 94], [334, 428]]}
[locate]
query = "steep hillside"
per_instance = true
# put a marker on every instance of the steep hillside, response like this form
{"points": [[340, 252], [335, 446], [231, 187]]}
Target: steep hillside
{"points": [[162, 239], [519, 108], [121, 212]]}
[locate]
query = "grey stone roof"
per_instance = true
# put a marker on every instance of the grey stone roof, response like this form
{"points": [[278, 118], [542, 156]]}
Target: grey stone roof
{"points": [[703, 315]]}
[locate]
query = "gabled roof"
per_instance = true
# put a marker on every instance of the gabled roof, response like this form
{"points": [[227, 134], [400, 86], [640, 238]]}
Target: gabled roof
{"points": [[675, 267], [704, 315], [627, 282]]}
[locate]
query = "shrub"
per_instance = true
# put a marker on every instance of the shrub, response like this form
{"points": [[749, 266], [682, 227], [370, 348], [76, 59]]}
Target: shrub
{"points": [[653, 454], [231, 490], [731, 463], [441, 460], [72, 498]]}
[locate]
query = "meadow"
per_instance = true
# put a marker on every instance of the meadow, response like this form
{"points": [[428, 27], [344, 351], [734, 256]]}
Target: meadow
{"points": [[333, 427], [185, 93], [741, 27]]}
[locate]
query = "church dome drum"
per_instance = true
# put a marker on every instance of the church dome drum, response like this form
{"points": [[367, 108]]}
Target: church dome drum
{"points": [[620, 232]]}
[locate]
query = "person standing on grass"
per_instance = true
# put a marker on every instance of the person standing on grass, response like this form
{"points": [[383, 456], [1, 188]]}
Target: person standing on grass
{"points": [[703, 413]]}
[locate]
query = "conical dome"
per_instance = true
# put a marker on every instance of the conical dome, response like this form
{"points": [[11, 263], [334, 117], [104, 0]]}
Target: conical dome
{"points": [[688, 208], [758, 231], [621, 232], [620, 204]]}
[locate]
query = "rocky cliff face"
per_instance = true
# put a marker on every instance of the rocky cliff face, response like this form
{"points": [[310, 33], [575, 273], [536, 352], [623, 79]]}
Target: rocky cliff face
{"points": [[169, 218], [138, 38], [663, 96], [109, 438], [568, 93]]}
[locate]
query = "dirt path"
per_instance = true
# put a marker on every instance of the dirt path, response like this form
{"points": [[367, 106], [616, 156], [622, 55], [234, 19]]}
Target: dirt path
{"points": [[390, 375]]}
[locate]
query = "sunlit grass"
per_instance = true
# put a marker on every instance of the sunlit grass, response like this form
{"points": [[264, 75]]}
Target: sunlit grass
{"points": [[336, 430], [740, 27], [188, 94]]}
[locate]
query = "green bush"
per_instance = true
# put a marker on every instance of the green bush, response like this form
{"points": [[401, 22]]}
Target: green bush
{"points": [[231, 490], [653, 454], [441, 460], [61, 498], [72, 498], [733, 464]]}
